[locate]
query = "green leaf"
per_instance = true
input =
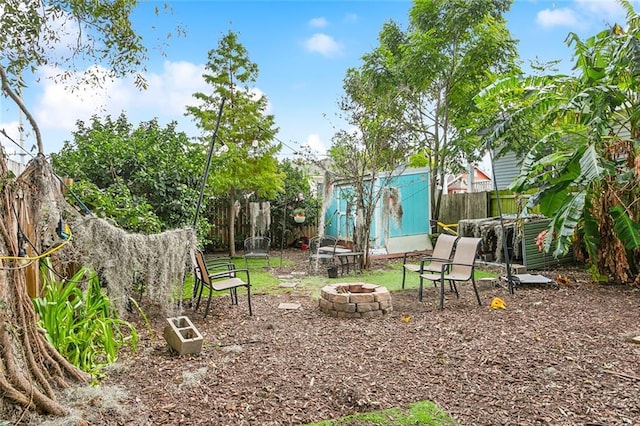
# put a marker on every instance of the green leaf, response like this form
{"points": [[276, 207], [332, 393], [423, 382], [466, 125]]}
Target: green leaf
{"points": [[626, 229]]}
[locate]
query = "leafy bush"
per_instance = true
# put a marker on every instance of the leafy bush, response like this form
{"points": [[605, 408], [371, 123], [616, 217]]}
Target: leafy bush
{"points": [[81, 324]]}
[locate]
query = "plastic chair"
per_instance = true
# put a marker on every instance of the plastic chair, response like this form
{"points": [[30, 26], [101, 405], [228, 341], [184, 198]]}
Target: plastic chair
{"points": [[441, 253], [460, 268]]}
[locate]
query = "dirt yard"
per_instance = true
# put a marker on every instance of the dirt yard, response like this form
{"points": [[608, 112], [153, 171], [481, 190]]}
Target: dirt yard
{"points": [[552, 357]]}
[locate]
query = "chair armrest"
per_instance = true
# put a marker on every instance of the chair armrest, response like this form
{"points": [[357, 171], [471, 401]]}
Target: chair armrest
{"points": [[230, 273], [406, 254], [432, 259], [222, 268]]}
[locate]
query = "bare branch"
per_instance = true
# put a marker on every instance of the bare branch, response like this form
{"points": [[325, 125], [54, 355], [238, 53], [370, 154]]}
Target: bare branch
{"points": [[15, 98]]}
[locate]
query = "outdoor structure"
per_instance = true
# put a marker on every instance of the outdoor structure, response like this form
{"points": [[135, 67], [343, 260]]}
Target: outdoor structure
{"points": [[15, 166], [401, 218], [461, 183], [355, 300]]}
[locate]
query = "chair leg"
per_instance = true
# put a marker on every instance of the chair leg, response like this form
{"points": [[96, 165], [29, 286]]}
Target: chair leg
{"points": [[475, 288], [206, 310], [442, 294], [420, 289], [201, 289], [404, 274], [455, 288], [249, 300]]}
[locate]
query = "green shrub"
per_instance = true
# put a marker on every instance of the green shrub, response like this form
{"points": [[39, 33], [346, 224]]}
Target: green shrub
{"points": [[81, 324]]}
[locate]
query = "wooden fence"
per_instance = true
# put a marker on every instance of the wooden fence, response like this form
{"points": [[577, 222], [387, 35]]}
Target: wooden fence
{"points": [[219, 233], [478, 205]]}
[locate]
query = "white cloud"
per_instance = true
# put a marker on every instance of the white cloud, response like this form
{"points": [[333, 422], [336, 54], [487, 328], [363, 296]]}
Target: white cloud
{"points": [[318, 23], [581, 14], [563, 17], [168, 93], [315, 145], [173, 89], [11, 128], [60, 108], [324, 45], [605, 9]]}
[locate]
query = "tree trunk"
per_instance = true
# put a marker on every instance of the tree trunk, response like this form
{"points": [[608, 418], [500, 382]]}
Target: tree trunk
{"points": [[31, 370], [232, 225]]}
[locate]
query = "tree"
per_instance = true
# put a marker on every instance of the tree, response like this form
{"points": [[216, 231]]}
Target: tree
{"points": [[589, 184], [296, 182], [145, 178], [30, 369], [246, 131], [33, 32], [452, 50], [375, 150]]}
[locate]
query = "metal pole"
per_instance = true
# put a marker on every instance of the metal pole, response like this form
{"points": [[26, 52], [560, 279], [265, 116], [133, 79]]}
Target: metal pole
{"points": [[505, 248], [284, 225], [206, 170]]}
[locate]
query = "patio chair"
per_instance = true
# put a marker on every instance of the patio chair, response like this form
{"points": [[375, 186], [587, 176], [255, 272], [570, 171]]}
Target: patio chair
{"points": [[322, 249], [441, 253], [256, 248], [223, 276], [224, 262], [460, 268]]}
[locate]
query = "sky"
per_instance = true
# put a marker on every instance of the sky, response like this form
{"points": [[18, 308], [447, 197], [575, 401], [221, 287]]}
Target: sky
{"points": [[302, 48]]}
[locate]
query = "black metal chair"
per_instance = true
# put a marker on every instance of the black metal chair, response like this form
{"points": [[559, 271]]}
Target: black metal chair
{"points": [[322, 250], [225, 278], [256, 248]]}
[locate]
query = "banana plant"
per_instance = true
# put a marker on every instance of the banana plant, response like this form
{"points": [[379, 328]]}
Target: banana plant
{"points": [[585, 165]]}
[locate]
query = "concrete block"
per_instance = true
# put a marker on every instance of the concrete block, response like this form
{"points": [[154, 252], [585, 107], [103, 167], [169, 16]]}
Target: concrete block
{"points": [[486, 283], [183, 336], [518, 269]]}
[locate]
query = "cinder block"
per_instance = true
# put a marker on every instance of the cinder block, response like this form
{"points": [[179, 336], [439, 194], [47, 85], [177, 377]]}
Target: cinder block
{"points": [[518, 269], [183, 336], [486, 283]]}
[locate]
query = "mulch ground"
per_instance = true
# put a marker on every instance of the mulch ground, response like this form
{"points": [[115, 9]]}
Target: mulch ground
{"points": [[552, 357]]}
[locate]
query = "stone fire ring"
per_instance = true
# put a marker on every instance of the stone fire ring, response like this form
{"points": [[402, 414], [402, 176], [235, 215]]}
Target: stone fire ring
{"points": [[355, 300]]}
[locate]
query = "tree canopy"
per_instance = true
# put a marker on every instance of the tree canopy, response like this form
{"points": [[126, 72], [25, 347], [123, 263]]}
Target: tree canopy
{"points": [[585, 164], [452, 49], [145, 178], [246, 131], [66, 35]]}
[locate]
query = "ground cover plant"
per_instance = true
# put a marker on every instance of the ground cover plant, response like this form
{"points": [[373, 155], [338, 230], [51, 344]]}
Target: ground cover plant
{"points": [[79, 320], [421, 413]]}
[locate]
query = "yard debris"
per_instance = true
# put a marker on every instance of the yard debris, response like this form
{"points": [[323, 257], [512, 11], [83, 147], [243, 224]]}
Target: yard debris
{"points": [[497, 303]]}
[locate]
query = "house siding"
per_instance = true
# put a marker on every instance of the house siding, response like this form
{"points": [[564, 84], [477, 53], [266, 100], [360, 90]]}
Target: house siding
{"points": [[506, 169], [401, 217]]}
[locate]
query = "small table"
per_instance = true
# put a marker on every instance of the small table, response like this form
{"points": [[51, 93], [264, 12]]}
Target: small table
{"points": [[331, 249], [347, 259]]}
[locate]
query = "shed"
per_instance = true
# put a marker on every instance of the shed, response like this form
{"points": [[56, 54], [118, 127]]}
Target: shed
{"points": [[401, 216]]}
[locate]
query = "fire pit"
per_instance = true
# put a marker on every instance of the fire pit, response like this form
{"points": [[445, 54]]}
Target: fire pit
{"points": [[355, 300]]}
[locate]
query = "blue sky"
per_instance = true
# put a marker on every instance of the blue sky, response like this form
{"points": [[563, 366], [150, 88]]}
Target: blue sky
{"points": [[302, 49]]}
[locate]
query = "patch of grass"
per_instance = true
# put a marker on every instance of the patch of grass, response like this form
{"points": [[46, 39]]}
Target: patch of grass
{"points": [[265, 281], [420, 413]]}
